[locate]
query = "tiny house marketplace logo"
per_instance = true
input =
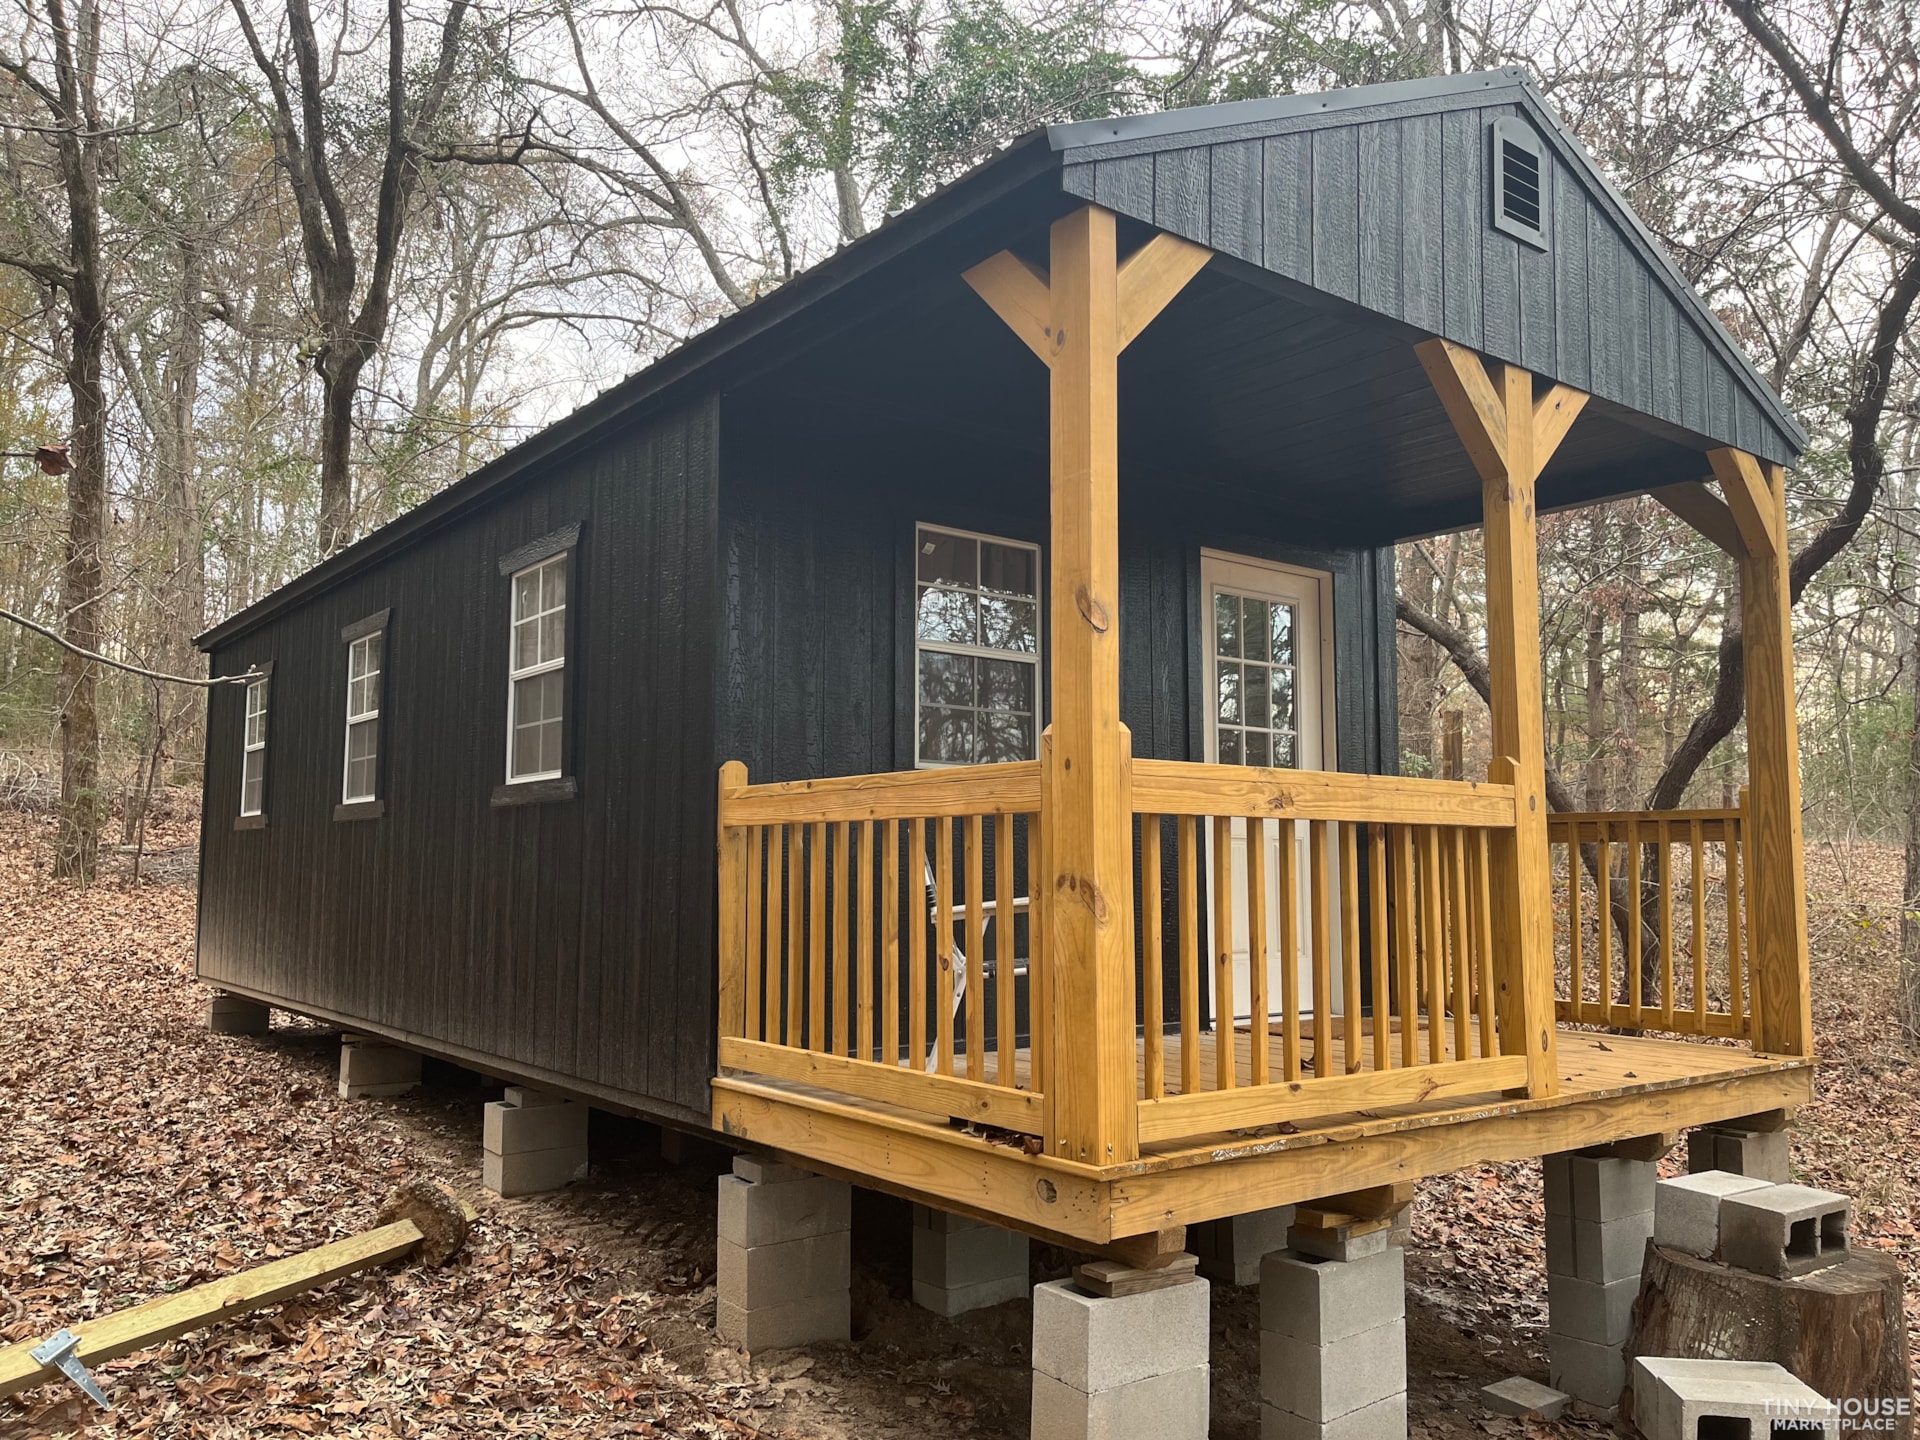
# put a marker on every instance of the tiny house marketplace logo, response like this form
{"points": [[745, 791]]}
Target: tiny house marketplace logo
{"points": [[1859, 1414]]}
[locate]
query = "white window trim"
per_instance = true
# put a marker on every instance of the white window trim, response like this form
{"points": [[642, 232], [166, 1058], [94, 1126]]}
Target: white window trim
{"points": [[1036, 658], [249, 746], [347, 797], [545, 667]]}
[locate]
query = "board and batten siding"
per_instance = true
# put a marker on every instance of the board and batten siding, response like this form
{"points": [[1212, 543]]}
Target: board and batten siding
{"points": [[571, 939], [1393, 213]]}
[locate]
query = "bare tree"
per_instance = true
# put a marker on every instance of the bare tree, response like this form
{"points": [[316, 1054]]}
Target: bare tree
{"points": [[351, 310]]}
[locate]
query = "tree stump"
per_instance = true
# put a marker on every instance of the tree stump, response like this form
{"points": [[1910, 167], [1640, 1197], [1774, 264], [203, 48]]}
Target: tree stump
{"points": [[1842, 1329]]}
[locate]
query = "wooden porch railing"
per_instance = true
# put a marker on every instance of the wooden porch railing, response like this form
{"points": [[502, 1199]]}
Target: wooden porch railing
{"points": [[854, 936], [1397, 883], [1663, 893]]}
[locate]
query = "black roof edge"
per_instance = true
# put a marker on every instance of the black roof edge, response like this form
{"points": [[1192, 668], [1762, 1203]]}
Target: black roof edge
{"points": [[1021, 161], [1194, 125]]}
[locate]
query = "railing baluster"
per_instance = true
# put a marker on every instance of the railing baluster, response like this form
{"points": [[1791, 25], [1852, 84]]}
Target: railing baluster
{"points": [[976, 986], [796, 906], [1737, 903], [840, 877], [1353, 1026], [816, 991], [943, 943], [1576, 885], [1434, 945], [1636, 980], [1406, 918], [1189, 860], [915, 879], [1462, 944], [1153, 1014], [1382, 949], [1483, 936], [890, 941], [756, 942], [1289, 949], [1258, 1010], [1039, 960], [1603, 919], [1663, 876], [1224, 1066], [1004, 920], [863, 1039], [1317, 858], [1697, 857]]}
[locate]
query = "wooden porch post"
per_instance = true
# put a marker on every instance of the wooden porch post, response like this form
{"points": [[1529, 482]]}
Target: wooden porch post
{"points": [[1077, 317], [1510, 437], [1086, 795], [1776, 856]]}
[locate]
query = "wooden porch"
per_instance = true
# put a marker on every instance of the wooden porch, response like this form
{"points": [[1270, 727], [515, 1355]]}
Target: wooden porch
{"points": [[1006, 989]]}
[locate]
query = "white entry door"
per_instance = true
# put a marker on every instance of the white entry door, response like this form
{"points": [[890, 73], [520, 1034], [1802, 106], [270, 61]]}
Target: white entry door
{"points": [[1270, 703]]}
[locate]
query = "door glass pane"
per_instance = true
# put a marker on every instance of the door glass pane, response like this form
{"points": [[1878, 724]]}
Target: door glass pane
{"points": [[1258, 750], [1282, 699], [1229, 746], [1255, 700], [1229, 693], [1282, 634]]}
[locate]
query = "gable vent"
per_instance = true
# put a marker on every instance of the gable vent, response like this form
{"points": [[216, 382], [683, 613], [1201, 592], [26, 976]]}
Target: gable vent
{"points": [[1520, 182]]}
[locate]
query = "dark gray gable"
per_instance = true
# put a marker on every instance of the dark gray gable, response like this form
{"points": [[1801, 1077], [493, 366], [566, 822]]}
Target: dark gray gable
{"points": [[1381, 196]]}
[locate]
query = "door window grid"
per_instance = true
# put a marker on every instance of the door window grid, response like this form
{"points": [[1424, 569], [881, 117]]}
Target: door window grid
{"points": [[536, 671], [360, 775], [253, 750], [977, 648], [1254, 681]]}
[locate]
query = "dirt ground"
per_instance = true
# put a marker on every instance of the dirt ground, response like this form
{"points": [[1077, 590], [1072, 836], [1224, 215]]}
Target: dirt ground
{"points": [[140, 1154]]}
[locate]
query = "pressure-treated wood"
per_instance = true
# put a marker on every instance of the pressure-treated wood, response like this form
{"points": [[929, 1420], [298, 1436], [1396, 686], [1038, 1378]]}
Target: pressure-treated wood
{"points": [[1751, 504], [976, 986], [1152, 960], [1221, 931], [1706, 512], [417, 1219], [1776, 863], [1018, 294], [1258, 1005], [1003, 936], [1008, 789], [1510, 436], [908, 1087], [1349, 948], [1151, 276], [1179, 787], [731, 932]]}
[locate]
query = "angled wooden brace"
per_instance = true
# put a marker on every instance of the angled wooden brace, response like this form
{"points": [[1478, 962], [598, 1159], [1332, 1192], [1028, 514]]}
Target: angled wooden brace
{"points": [[1748, 497]]}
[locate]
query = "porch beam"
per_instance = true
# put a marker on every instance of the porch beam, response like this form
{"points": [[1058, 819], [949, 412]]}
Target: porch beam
{"points": [[1776, 859], [1510, 436], [1086, 801], [1706, 512], [1748, 498]]}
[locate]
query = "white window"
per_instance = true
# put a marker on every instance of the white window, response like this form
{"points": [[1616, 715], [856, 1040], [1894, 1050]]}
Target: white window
{"points": [[360, 779], [536, 667], [977, 648], [253, 754]]}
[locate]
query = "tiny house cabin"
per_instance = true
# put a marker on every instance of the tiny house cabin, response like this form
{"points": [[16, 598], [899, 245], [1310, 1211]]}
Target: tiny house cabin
{"points": [[938, 725]]}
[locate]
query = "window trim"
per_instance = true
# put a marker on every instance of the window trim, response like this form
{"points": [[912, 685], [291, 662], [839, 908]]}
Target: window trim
{"points": [[256, 675], [365, 807], [540, 668], [1037, 658], [528, 790], [1505, 130]]}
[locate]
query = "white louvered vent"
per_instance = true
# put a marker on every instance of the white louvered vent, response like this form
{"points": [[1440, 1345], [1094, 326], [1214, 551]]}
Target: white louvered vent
{"points": [[1522, 190]]}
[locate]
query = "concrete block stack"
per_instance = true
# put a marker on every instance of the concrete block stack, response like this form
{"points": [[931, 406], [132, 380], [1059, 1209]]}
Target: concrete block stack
{"points": [[961, 1264], [237, 1015], [373, 1067], [1333, 1336], [1230, 1250], [533, 1141], [1121, 1367], [1599, 1218], [1739, 1150], [784, 1256]]}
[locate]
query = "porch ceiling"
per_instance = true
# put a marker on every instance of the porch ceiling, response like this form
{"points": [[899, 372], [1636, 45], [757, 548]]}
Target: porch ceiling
{"points": [[1247, 392]]}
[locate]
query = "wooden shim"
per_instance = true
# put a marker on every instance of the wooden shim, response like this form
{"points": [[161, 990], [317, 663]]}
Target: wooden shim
{"points": [[1114, 1278], [1179, 1116], [933, 1094], [171, 1316], [1181, 787], [1004, 789]]}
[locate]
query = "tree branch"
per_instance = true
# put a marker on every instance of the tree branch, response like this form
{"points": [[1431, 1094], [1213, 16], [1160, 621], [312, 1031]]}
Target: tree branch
{"points": [[202, 682]]}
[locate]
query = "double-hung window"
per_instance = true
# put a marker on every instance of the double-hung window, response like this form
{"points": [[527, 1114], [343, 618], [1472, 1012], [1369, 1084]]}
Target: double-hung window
{"points": [[536, 671], [361, 774], [977, 648], [253, 751]]}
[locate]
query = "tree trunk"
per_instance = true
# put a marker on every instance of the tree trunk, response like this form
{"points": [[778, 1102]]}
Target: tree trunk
{"points": [[1596, 798], [339, 382], [82, 583], [1841, 1330]]}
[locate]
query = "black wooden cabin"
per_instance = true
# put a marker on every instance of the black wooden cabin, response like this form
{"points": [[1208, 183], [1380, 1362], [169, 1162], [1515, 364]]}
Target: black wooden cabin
{"points": [[743, 542]]}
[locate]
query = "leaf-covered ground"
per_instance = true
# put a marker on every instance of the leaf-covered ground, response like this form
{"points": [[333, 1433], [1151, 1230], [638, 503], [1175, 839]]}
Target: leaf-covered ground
{"points": [[140, 1155]]}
